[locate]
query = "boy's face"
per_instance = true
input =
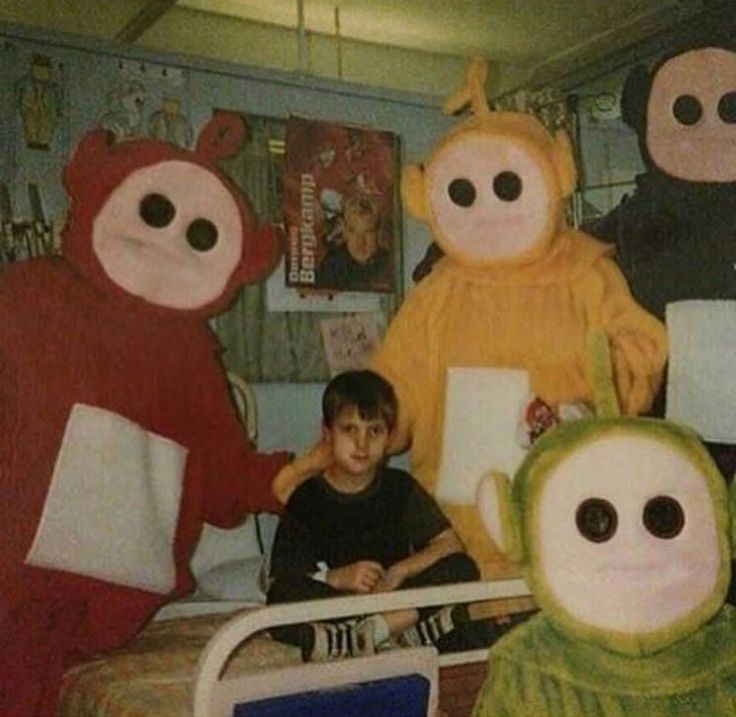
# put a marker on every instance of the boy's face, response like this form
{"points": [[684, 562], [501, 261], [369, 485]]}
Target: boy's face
{"points": [[358, 445]]}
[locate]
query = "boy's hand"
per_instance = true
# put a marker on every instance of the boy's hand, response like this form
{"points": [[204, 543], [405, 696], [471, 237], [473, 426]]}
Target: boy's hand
{"points": [[360, 577], [392, 579]]}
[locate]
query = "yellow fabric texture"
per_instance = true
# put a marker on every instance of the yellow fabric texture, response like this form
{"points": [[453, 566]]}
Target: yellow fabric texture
{"points": [[534, 315]]}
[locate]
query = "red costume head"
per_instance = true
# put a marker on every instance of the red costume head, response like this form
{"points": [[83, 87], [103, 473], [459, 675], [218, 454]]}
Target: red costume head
{"points": [[162, 225]]}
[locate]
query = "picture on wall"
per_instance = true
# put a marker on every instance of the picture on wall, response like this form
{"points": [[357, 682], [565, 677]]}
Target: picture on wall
{"points": [[340, 207], [40, 102], [349, 341], [147, 100]]}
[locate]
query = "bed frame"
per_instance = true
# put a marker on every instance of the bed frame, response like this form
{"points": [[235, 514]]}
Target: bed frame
{"points": [[215, 694]]}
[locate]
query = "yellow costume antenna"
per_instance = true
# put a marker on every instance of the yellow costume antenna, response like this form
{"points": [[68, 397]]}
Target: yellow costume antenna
{"points": [[472, 92]]}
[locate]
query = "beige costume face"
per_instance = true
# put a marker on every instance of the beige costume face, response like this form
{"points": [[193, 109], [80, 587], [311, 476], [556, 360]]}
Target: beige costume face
{"points": [[622, 526], [171, 234], [627, 535], [692, 113], [489, 198]]}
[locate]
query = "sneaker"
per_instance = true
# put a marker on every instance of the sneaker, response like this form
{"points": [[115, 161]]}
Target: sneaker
{"points": [[430, 629], [391, 643], [334, 641]]}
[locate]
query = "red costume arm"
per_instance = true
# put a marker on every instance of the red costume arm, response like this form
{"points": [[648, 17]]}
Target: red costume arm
{"points": [[237, 478]]}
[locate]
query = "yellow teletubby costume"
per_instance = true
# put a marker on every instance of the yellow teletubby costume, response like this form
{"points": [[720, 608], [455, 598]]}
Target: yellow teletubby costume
{"points": [[517, 289]]}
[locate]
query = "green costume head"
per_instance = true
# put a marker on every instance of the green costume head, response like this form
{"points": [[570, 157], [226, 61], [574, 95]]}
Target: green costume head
{"points": [[621, 525]]}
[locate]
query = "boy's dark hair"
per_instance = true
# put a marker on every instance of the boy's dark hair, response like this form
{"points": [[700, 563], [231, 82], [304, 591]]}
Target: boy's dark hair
{"points": [[365, 390]]}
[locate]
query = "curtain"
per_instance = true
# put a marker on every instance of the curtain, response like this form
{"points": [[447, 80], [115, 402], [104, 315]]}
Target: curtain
{"points": [[258, 344]]}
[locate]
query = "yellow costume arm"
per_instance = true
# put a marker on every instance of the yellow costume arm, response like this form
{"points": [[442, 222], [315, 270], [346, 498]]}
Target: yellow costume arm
{"points": [[638, 340], [293, 474]]}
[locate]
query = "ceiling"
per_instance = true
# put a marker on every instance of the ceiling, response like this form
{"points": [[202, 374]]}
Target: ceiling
{"points": [[514, 31], [525, 40]]}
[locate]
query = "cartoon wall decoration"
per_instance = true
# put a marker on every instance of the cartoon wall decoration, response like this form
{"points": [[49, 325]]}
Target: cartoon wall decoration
{"points": [[518, 291], [349, 341], [39, 103], [170, 124], [119, 435], [124, 108], [622, 525], [34, 128], [146, 99], [675, 236]]}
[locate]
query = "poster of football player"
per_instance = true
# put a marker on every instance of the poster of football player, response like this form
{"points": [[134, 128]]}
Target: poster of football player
{"points": [[340, 206]]}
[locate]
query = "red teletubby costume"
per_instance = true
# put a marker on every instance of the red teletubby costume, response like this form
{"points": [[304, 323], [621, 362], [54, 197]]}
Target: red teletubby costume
{"points": [[119, 438]]}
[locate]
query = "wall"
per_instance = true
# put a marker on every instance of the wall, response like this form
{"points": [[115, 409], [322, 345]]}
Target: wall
{"points": [[83, 72], [609, 150]]}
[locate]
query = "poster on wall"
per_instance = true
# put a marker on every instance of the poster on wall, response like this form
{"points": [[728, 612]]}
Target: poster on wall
{"points": [[340, 207]]}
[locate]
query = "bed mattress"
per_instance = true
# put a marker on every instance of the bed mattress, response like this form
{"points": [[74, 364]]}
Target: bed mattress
{"points": [[153, 675]]}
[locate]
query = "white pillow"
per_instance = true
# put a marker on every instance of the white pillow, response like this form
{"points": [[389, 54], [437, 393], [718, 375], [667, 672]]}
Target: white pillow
{"points": [[242, 579], [218, 546]]}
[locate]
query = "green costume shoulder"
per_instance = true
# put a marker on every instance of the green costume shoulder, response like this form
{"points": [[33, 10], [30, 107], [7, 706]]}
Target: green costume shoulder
{"points": [[540, 671]]}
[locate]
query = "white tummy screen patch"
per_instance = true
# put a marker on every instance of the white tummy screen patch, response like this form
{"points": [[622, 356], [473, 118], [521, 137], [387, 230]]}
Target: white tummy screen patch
{"points": [[112, 507], [482, 411], [701, 383]]}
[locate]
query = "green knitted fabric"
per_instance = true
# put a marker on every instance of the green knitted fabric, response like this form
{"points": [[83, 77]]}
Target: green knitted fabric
{"points": [[539, 671]]}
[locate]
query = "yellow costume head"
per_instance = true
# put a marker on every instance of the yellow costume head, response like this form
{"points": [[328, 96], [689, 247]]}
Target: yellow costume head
{"points": [[493, 188]]}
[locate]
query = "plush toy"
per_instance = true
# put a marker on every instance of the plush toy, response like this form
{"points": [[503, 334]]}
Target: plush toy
{"points": [[516, 290], [675, 235], [119, 437], [622, 526]]}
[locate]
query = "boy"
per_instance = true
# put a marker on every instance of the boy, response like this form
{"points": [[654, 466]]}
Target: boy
{"points": [[362, 527]]}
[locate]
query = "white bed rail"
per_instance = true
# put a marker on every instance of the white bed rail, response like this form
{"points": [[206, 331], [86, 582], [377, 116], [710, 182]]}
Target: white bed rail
{"points": [[209, 687]]}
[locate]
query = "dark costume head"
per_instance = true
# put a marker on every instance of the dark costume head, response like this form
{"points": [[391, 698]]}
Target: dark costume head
{"points": [[683, 111]]}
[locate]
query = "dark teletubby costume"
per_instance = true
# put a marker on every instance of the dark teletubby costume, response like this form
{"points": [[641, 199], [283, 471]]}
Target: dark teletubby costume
{"points": [[675, 235]]}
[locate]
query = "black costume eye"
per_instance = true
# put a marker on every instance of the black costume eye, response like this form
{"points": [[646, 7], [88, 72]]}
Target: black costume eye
{"points": [[462, 192], [202, 235], [687, 110], [156, 210], [727, 108], [596, 520], [663, 517], [507, 186]]}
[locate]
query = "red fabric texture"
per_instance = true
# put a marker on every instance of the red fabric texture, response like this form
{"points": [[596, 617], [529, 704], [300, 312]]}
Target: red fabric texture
{"points": [[67, 335]]}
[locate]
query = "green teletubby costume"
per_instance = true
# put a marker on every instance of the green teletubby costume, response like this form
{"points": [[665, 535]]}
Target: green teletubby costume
{"points": [[622, 526]]}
